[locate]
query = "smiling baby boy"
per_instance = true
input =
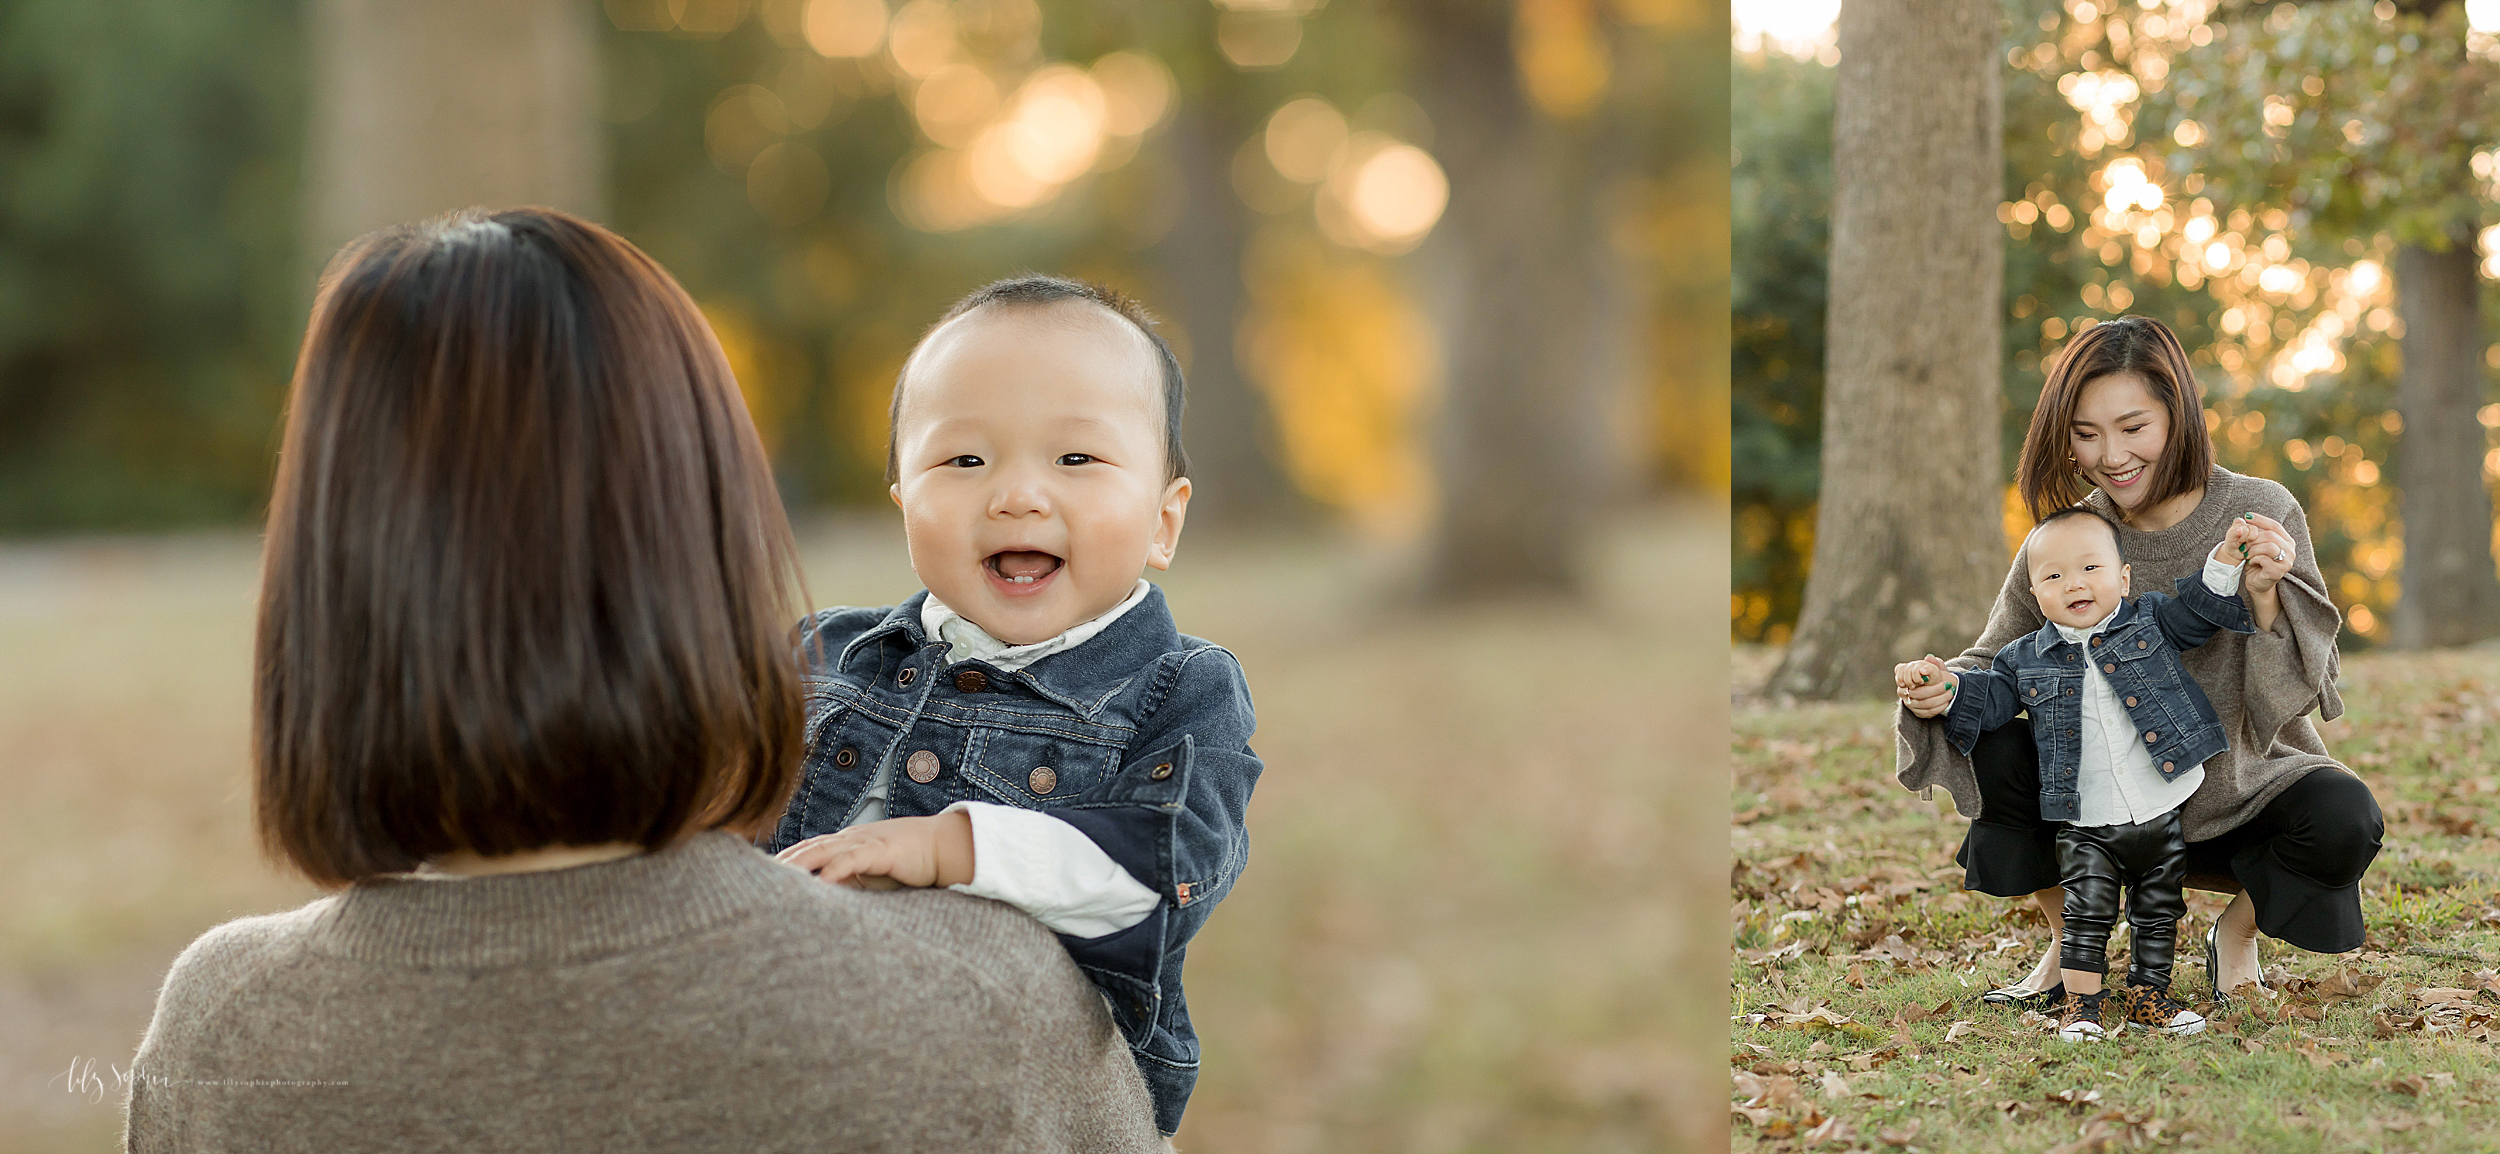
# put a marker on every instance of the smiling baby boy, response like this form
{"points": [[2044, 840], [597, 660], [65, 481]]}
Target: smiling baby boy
{"points": [[1033, 728]]}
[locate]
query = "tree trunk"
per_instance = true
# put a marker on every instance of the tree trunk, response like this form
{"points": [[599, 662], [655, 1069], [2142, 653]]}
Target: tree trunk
{"points": [[1909, 548], [421, 108], [1518, 291], [1233, 444], [2450, 595]]}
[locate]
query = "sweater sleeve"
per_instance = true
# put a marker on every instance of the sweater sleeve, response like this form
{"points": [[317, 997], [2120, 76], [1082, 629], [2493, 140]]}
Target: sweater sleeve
{"points": [[2292, 667], [1922, 756]]}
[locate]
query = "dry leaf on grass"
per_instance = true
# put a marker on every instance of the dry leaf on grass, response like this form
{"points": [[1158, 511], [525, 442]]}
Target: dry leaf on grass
{"points": [[1765, 957], [2077, 1097], [2417, 1085], [1832, 1129], [1960, 1028], [2114, 1130], [1900, 1137]]}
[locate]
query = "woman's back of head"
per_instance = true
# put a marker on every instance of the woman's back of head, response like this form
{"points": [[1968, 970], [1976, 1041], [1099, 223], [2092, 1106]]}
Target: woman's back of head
{"points": [[527, 581]]}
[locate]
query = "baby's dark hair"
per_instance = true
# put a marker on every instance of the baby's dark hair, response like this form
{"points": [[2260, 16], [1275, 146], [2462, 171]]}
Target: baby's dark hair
{"points": [[1036, 289], [2087, 511]]}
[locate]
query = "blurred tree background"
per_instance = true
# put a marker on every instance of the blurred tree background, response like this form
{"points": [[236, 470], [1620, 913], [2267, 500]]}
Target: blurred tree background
{"points": [[826, 175], [2247, 173], [1448, 278]]}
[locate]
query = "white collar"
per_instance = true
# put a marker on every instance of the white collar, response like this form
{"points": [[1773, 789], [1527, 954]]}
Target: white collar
{"points": [[968, 641], [2075, 635]]}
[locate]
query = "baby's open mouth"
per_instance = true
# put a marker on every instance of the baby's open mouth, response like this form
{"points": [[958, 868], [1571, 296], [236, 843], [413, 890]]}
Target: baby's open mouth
{"points": [[1022, 566], [2078, 606]]}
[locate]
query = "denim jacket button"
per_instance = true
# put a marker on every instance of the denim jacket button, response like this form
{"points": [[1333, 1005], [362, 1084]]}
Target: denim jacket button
{"points": [[2150, 737], [2139, 645], [2070, 691], [2107, 667], [2167, 766], [971, 681], [1043, 779], [1161, 772], [848, 757], [904, 678], [2130, 703], [922, 766]]}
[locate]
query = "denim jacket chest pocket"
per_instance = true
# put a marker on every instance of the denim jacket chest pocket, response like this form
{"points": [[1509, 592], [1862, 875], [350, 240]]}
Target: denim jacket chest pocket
{"points": [[2144, 660], [1037, 755], [2048, 695]]}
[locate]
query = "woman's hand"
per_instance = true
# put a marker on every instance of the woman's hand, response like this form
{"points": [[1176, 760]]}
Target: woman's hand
{"points": [[896, 852], [2267, 548], [1925, 686]]}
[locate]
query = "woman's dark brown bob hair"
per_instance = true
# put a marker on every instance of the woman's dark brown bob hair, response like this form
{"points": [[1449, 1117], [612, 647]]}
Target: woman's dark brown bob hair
{"points": [[527, 581], [2147, 348]]}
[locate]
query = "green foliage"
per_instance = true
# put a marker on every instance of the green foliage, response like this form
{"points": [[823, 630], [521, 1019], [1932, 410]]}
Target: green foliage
{"points": [[1780, 239], [150, 293], [2353, 116], [2073, 257]]}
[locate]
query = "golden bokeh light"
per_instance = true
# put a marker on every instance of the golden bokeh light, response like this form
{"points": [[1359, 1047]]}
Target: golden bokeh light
{"points": [[1055, 127], [844, 28], [952, 103], [1562, 59], [998, 175], [1381, 194], [921, 37], [1258, 39], [1302, 136], [744, 120], [933, 192], [1803, 29], [999, 155], [1136, 90]]}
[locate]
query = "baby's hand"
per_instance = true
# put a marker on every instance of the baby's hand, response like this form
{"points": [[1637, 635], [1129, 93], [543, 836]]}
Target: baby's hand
{"points": [[884, 855], [2236, 542], [2265, 546], [1926, 687]]}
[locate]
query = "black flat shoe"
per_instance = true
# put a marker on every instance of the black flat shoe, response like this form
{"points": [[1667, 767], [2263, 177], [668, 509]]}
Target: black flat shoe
{"points": [[2213, 966], [2018, 998]]}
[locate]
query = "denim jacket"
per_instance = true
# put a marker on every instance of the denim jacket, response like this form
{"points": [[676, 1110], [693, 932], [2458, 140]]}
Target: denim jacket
{"points": [[1139, 738], [2042, 673]]}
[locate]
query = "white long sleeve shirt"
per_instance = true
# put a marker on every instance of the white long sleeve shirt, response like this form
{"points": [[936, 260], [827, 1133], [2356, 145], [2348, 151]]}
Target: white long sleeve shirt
{"points": [[2116, 778], [1026, 858]]}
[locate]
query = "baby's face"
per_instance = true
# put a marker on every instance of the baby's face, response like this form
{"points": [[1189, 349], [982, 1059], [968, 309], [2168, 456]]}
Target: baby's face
{"points": [[2075, 571], [1030, 449]]}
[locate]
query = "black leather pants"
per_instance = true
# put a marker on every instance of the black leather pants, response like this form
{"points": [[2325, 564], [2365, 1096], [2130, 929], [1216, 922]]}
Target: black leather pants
{"points": [[2150, 859]]}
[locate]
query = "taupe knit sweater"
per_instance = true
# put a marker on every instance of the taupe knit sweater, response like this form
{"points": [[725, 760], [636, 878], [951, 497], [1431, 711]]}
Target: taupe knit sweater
{"points": [[701, 998], [2263, 685]]}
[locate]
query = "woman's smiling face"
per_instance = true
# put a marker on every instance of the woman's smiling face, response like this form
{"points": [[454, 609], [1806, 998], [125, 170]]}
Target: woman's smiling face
{"points": [[2118, 433]]}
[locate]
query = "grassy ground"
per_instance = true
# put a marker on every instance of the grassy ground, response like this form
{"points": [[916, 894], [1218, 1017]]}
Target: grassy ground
{"points": [[1481, 912], [1858, 958]]}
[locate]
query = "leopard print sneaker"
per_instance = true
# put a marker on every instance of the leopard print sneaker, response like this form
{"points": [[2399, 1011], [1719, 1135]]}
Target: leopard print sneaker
{"points": [[2079, 1018], [2151, 1008]]}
